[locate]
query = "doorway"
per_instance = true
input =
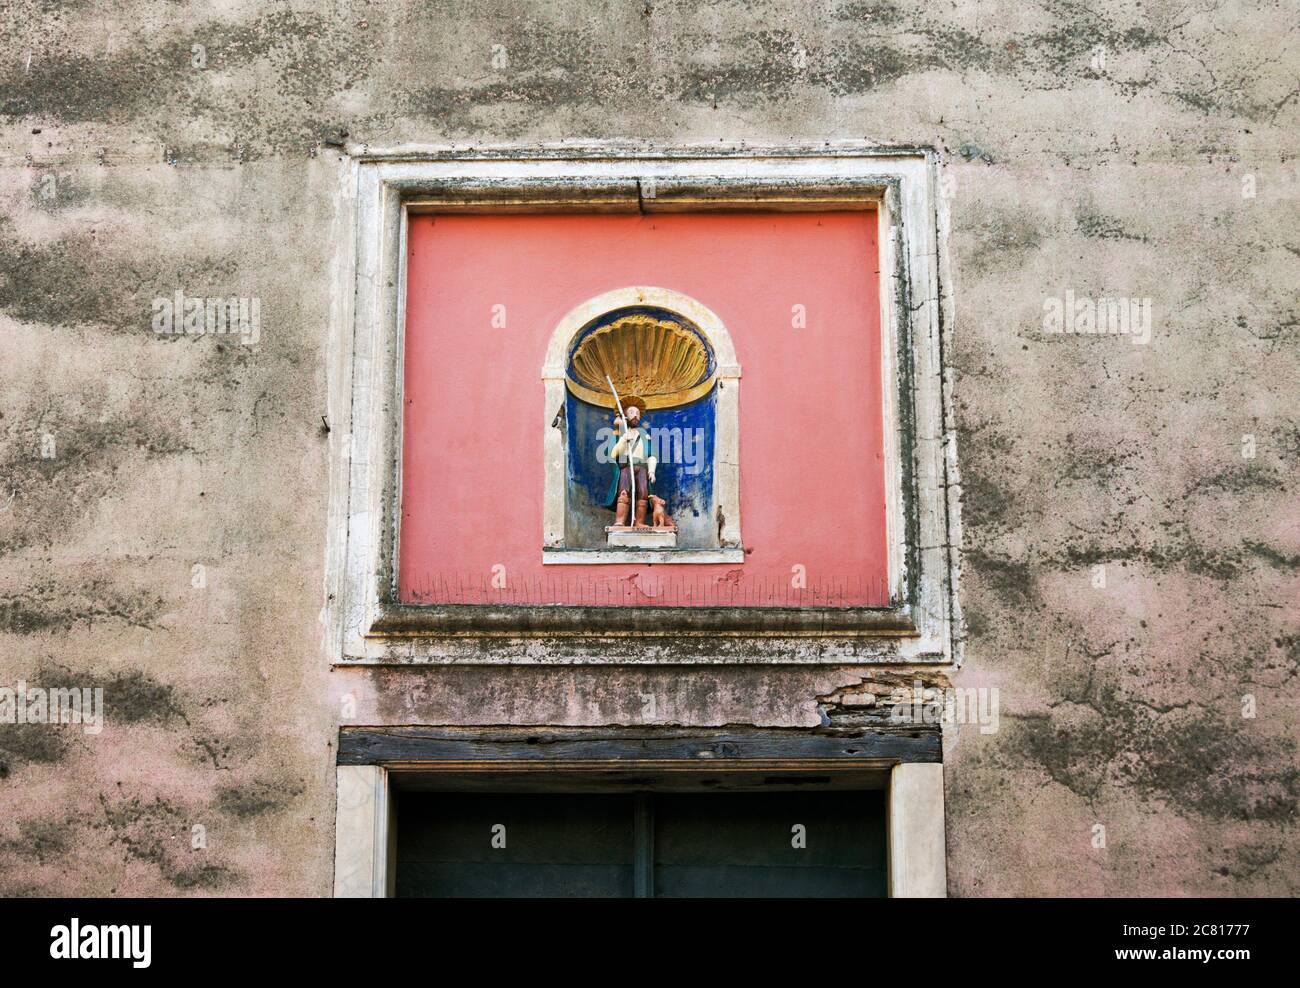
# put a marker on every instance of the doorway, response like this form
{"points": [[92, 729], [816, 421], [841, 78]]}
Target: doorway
{"points": [[735, 809], [782, 844]]}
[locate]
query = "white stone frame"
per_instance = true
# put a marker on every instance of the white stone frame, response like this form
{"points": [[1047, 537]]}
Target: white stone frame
{"points": [[726, 460], [364, 856], [364, 838], [364, 622]]}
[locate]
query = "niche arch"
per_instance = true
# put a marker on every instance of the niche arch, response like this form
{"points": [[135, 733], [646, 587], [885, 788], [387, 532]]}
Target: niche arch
{"points": [[726, 456]]}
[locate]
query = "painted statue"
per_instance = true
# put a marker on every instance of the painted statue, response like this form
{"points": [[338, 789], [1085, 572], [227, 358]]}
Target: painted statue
{"points": [[634, 467], [629, 361]]}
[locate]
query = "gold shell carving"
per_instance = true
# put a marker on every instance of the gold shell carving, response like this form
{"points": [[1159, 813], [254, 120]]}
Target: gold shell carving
{"points": [[658, 359]]}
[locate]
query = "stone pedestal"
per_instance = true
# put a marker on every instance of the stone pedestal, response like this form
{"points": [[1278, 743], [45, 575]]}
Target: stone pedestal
{"points": [[628, 537]]}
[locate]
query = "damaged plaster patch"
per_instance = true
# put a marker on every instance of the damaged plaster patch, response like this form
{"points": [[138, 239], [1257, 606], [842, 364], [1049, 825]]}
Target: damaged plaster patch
{"points": [[1101, 227], [304, 58], [49, 605], [36, 743], [88, 447], [44, 840], [158, 832], [134, 697], [129, 697], [54, 191], [1191, 756], [1001, 238], [870, 701], [1011, 579], [85, 279], [256, 798]]}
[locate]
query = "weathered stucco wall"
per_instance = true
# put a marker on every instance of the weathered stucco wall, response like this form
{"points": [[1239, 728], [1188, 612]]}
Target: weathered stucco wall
{"points": [[1104, 148]]}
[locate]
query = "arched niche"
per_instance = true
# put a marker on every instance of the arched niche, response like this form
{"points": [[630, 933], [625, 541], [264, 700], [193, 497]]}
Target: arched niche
{"points": [[725, 495]]}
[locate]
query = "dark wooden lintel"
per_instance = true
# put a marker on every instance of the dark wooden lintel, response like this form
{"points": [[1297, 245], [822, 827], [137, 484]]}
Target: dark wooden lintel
{"points": [[666, 749]]}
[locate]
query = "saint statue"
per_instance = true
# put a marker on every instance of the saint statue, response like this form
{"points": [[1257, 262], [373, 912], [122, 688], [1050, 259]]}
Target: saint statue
{"points": [[634, 469], [629, 362]]}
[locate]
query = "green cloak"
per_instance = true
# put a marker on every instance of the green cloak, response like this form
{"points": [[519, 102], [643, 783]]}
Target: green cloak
{"points": [[642, 454]]}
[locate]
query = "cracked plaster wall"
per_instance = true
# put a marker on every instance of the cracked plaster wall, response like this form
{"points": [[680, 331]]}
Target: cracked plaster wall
{"points": [[1098, 147]]}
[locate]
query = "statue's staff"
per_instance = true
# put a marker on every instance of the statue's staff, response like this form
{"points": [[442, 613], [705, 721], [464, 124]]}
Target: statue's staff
{"points": [[631, 455]]}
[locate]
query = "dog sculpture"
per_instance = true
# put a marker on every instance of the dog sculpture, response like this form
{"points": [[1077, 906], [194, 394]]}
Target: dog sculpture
{"points": [[659, 514]]}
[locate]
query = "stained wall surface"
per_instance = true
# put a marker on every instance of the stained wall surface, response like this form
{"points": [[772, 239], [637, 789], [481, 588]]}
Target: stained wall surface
{"points": [[1131, 537]]}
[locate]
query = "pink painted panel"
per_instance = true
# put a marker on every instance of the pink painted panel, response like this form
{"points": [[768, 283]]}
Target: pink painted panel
{"points": [[811, 440]]}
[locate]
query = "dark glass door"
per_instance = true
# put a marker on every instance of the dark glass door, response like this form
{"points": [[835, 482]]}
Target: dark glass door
{"points": [[515, 845], [770, 845], [741, 844]]}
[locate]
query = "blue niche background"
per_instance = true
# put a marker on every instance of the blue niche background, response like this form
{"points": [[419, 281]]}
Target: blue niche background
{"points": [[687, 488], [684, 438]]}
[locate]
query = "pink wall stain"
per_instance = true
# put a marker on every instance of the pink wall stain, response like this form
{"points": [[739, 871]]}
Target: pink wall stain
{"points": [[811, 435]]}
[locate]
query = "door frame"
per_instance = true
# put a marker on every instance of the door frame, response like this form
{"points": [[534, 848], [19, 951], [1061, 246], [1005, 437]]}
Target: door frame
{"points": [[371, 759]]}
